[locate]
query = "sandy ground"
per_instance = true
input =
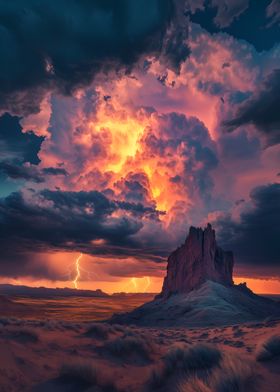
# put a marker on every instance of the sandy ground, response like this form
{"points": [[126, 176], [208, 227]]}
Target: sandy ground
{"points": [[70, 309], [63, 356]]}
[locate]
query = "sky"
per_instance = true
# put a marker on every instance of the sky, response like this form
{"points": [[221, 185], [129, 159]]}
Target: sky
{"points": [[122, 124]]}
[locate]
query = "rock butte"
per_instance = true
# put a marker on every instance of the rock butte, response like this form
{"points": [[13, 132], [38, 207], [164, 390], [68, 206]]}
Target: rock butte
{"points": [[198, 290], [199, 259]]}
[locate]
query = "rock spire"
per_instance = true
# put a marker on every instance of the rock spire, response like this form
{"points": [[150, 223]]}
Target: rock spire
{"points": [[199, 259]]}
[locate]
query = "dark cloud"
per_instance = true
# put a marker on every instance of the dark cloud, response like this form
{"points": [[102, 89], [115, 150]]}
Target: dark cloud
{"points": [[175, 180], [226, 65], [213, 88], [29, 172], [228, 10], [63, 45], [16, 145], [175, 49], [225, 11], [19, 153], [134, 187], [191, 6], [55, 171], [232, 16], [237, 146], [254, 238], [273, 12], [162, 79], [66, 220], [261, 110]]}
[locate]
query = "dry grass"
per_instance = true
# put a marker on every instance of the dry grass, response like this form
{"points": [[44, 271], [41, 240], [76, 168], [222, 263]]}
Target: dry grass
{"points": [[23, 335], [234, 375], [181, 363], [80, 370], [204, 369], [200, 356], [85, 375], [99, 331], [193, 385], [268, 348], [127, 346]]}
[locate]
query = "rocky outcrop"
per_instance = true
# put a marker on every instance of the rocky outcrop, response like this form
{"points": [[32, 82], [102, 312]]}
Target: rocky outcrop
{"points": [[212, 304], [199, 259], [200, 274]]}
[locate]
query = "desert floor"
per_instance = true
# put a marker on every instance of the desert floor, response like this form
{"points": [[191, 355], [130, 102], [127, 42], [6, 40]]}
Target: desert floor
{"points": [[58, 349], [72, 308]]}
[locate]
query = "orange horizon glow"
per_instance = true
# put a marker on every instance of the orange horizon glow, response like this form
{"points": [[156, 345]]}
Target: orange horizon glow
{"points": [[260, 286], [146, 284]]}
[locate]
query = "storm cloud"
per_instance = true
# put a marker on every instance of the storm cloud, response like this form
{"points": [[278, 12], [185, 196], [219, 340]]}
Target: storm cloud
{"points": [[19, 158], [63, 45], [262, 110], [273, 12], [29, 172], [66, 220], [16, 145], [254, 237], [136, 119], [226, 10], [256, 22]]}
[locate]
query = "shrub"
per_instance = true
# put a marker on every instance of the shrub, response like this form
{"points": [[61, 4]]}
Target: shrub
{"points": [[24, 335], [83, 372], [193, 385], [5, 321], [200, 356], [268, 349], [129, 345], [183, 362], [235, 375], [157, 379], [99, 331], [120, 328], [52, 325], [79, 370], [70, 326], [12, 321]]}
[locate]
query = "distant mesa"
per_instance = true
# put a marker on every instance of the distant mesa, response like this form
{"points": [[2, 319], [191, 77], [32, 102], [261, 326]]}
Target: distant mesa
{"points": [[9, 289], [198, 290], [47, 292]]}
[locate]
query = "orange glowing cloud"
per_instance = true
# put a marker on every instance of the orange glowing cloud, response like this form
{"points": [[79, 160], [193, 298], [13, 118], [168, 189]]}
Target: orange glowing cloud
{"points": [[122, 150], [153, 139]]}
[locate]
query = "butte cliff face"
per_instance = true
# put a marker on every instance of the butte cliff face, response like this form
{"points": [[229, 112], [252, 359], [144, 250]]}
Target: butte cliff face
{"points": [[199, 259]]}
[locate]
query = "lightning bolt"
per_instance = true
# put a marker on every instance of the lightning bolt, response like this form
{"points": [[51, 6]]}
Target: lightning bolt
{"points": [[133, 281], [148, 280], [77, 264]]}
